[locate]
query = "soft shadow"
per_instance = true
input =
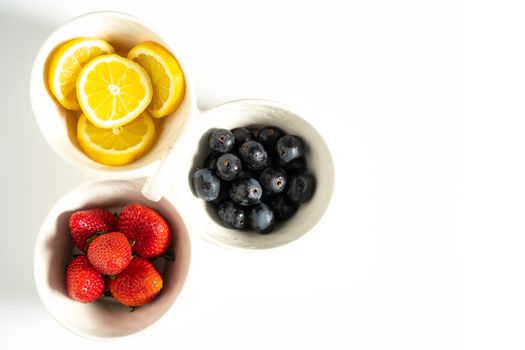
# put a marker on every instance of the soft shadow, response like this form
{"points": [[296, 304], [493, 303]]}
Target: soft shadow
{"points": [[32, 175], [61, 247]]}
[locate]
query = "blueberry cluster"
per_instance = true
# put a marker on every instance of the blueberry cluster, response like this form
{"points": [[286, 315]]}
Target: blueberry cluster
{"points": [[254, 180]]}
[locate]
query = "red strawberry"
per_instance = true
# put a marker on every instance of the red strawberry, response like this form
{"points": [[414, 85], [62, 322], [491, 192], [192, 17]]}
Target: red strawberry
{"points": [[109, 253], [150, 232], [85, 223], [138, 284], [83, 282]]}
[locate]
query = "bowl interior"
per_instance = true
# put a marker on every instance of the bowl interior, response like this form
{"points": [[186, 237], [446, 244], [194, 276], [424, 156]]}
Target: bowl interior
{"points": [[53, 251], [58, 125], [190, 154]]}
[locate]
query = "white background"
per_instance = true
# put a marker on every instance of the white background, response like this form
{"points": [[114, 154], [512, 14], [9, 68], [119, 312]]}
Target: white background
{"points": [[421, 103]]}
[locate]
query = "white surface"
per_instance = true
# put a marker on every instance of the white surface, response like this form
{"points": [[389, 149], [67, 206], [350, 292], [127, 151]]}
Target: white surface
{"points": [[421, 105]]}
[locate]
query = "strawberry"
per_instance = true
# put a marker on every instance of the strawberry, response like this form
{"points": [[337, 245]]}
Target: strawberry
{"points": [[109, 253], [85, 223], [138, 284], [83, 282], [150, 232]]}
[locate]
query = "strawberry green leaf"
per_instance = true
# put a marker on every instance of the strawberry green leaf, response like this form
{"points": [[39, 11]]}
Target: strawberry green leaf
{"points": [[94, 236]]}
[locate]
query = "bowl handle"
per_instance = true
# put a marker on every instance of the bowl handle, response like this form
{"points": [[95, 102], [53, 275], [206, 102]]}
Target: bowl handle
{"points": [[157, 184]]}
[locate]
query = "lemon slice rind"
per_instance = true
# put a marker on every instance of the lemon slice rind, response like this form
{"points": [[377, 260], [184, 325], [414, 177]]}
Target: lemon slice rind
{"points": [[171, 69], [111, 156], [91, 111], [57, 67]]}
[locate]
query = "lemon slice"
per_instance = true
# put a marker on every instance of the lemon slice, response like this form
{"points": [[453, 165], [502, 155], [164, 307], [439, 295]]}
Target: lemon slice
{"points": [[66, 63], [165, 74], [118, 146], [113, 90]]}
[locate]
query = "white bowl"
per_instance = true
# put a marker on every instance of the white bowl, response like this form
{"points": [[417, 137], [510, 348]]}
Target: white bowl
{"points": [[54, 248], [181, 148], [58, 125], [173, 178]]}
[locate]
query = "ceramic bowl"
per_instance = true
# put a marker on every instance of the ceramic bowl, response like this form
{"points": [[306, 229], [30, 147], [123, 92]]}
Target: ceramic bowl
{"points": [[179, 151], [173, 178], [53, 252], [58, 125]]}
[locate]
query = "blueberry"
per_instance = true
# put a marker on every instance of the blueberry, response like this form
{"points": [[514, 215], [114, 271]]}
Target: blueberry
{"points": [[231, 215], [272, 180], [246, 173], [246, 191], [253, 155], [228, 166], [271, 161], [301, 188], [295, 165], [242, 135], [221, 141], [289, 147], [210, 161], [282, 207], [224, 193], [262, 218], [206, 184], [269, 135]]}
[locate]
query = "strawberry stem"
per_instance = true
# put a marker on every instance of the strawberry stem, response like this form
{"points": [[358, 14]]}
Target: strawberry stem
{"points": [[94, 236], [112, 276]]}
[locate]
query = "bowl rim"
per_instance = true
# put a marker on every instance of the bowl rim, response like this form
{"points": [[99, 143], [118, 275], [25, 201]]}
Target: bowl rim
{"points": [[38, 243], [264, 103], [35, 80]]}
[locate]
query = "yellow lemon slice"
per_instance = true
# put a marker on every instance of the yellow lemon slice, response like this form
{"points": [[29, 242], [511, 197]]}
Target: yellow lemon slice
{"points": [[113, 90], [118, 146], [66, 63], [165, 74]]}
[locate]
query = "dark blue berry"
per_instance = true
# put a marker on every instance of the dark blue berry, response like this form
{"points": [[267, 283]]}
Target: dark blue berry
{"points": [[272, 180], [289, 147], [272, 160], [301, 188], [224, 193], [253, 155], [221, 141], [246, 191], [242, 135], [231, 215], [295, 165], [282, 207], [206, 184], [210, 161], [246, 173], [262, 218], [269, 135], [228, 166]]}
